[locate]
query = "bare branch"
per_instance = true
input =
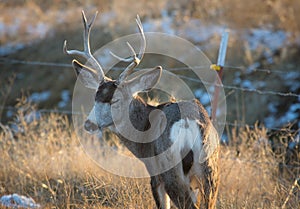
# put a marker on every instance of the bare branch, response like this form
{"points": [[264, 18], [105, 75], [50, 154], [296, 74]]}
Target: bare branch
{"points": [[86, 53]]}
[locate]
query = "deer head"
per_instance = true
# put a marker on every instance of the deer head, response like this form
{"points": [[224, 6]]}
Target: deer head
{"points": [[110, 93]]}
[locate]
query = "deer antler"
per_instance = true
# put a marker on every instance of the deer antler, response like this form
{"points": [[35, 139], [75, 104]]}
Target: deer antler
{"points": [[135, 59], [86, 53]]}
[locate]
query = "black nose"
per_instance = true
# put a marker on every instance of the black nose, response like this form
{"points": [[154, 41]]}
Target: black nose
{"points": [[90, 126]]}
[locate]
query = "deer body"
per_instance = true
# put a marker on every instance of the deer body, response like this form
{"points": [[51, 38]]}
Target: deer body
{"points": [[187, 137]]}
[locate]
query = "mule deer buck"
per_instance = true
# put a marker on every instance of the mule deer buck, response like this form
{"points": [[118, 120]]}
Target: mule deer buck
{"points": [[184, 126]]}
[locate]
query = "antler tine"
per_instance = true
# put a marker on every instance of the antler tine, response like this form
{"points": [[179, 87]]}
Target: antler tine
{"points": [[135, 59], [87, 30], [143, 39], [130, 59], [142, 49], [86, 53]]}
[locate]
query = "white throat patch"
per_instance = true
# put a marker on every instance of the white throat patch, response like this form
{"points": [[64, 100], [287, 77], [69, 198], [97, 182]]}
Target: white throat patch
{"points": [[103, 114], [92, 117]]}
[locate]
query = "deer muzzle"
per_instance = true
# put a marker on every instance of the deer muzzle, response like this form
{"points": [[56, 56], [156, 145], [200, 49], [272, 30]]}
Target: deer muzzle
{"points": [[90, 127]]}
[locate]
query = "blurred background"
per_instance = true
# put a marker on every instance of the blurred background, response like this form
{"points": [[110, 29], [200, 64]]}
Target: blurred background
{"points": [[261, 75]]}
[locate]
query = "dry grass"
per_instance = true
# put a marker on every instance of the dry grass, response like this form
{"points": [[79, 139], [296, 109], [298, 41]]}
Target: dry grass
{"points": [[250, 177], [45, 160], [248, 171]]}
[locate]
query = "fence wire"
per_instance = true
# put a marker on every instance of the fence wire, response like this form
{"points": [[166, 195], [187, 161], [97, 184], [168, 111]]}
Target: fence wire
{"points": [[65, 65], [62, 66], [251, 90], [262, 92]]}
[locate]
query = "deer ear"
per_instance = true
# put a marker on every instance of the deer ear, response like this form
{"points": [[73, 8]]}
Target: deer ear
{"points": [[86, 75], [145, 81]]}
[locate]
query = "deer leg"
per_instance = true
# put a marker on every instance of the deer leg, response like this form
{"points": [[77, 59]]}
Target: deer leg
{"points": [[161, 198], [164, 198], [210, 193], [210, 184], [177, 189], [195, 185]]}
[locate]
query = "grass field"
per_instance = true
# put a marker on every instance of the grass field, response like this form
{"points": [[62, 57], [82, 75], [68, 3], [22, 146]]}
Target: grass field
{"points": [[44, 159]]}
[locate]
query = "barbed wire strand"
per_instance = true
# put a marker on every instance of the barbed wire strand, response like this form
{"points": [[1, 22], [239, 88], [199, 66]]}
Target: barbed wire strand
{"points": [[34, 63], [262, 92], [267, 71], [252, 90], [64, 65], [227, 67]]}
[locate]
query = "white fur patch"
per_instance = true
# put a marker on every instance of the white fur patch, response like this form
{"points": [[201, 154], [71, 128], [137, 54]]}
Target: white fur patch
{"points": [[163, 196], [185, 134], [103, 113], [92, 117]]}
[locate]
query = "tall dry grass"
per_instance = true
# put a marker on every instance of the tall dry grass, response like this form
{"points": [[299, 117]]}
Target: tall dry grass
{"points": [[250, 174], [41, 157]]}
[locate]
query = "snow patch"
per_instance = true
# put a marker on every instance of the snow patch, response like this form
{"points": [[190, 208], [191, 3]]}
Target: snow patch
{"points": [[247, 84], [11, 48], [18, 201], [202, 96], [164, 25], [40, 30], [291, 79], [65, 98], [272, 40], [39, 96], [291, 115], [272, 108], [196, 31]]}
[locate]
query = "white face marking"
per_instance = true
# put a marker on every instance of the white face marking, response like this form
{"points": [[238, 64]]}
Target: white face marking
{"points": [[91, 125], [103, 114], [92, 117], [100, 116]]}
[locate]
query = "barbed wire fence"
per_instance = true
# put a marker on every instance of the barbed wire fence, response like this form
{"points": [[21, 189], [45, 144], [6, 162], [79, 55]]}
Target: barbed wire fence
{"points": [[241, 68], [61, 66]]}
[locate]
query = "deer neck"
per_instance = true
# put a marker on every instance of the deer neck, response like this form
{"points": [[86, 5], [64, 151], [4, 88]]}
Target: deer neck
{"points": [[139, 112]]}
